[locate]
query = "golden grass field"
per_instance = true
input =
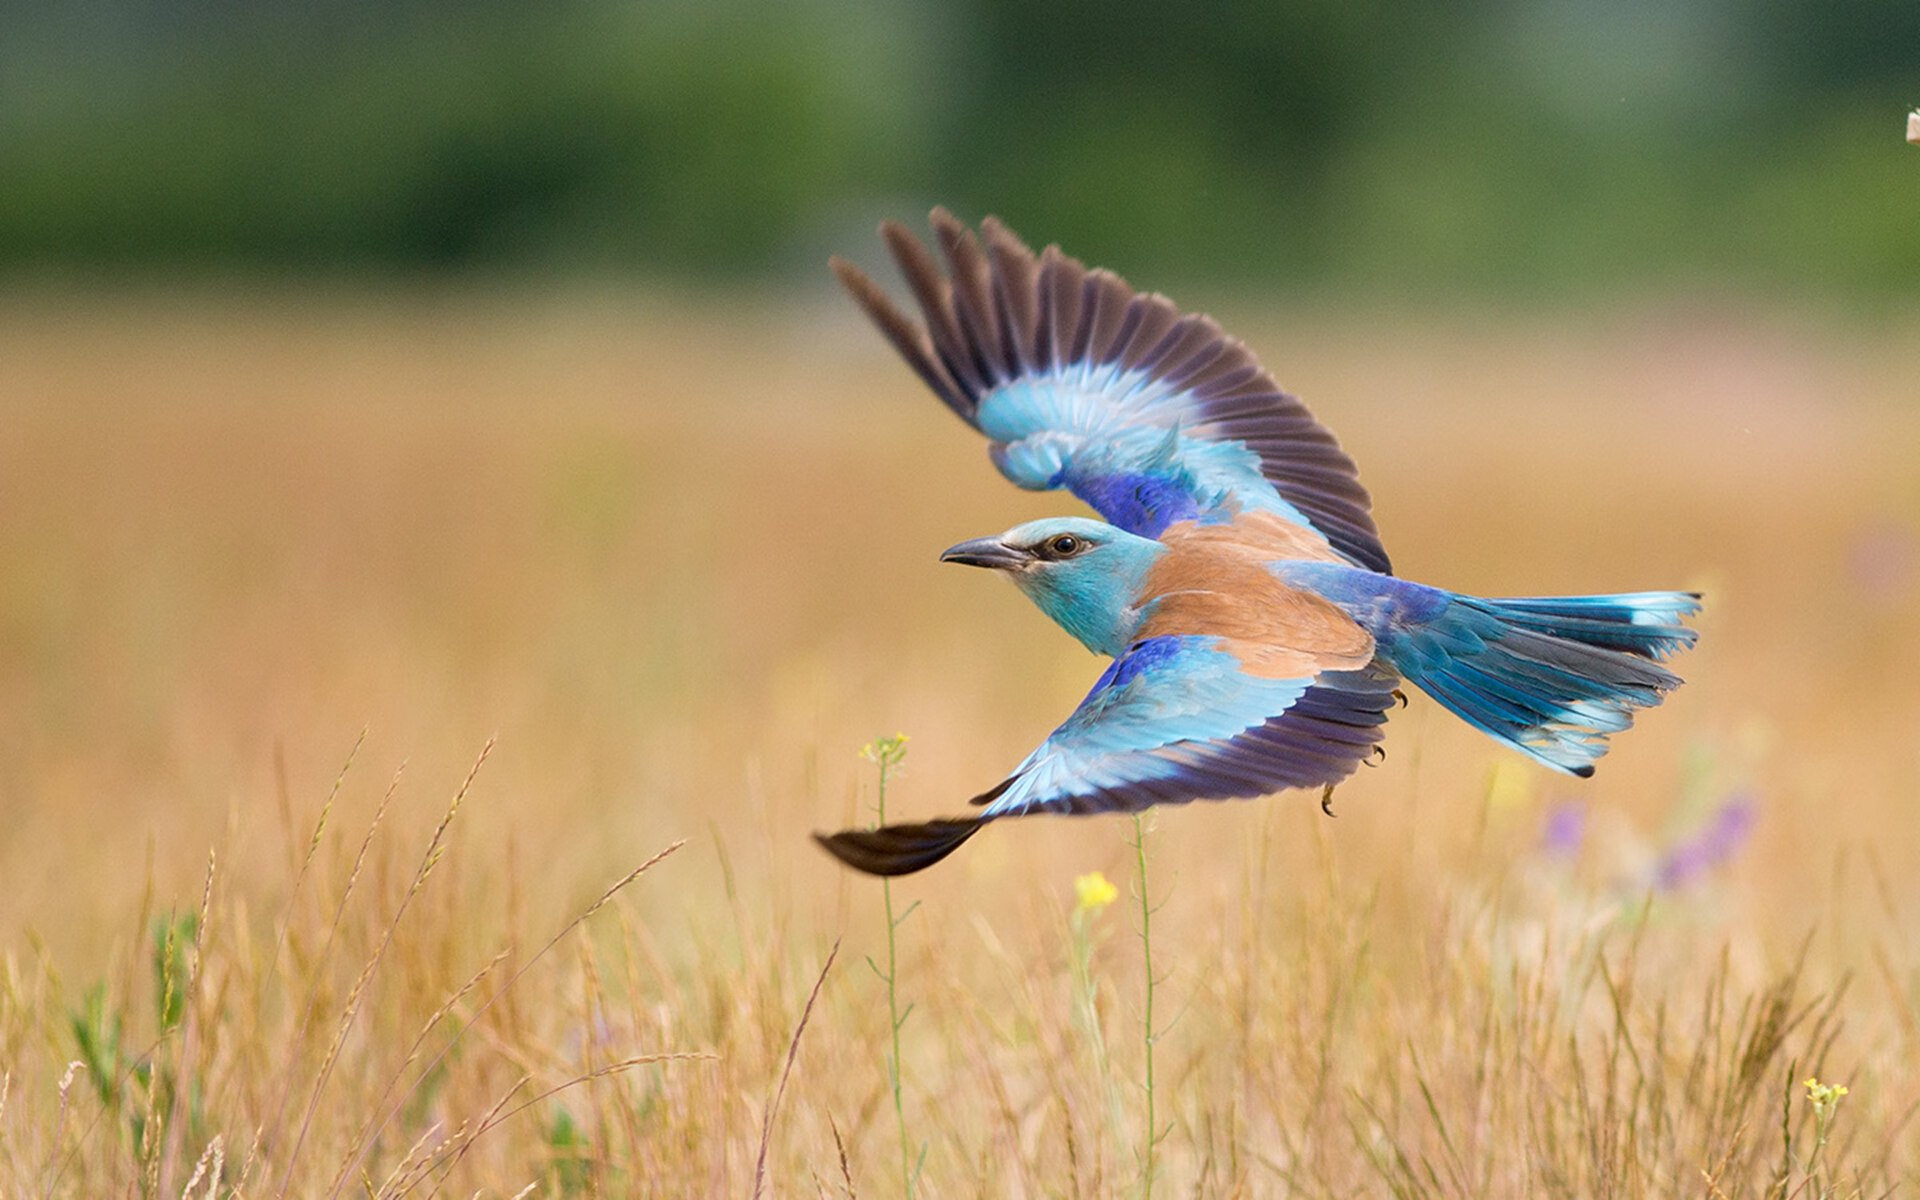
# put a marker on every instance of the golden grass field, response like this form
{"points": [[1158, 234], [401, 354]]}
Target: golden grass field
{"points": [[676, 559]]}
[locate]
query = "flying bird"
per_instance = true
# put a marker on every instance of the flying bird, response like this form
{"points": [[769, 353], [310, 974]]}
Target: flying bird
{"points": [[1257, 631]]}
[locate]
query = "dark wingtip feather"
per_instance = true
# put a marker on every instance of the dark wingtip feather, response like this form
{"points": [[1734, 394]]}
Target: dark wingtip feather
{"points": [[970, 276], [851, 277], [1584, 771], [1016, 273], [899, 239], [994, 793], [934, 294], [909, 340], [898, 849]]}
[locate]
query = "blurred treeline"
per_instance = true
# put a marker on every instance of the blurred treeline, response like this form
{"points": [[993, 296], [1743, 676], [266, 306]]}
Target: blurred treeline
{"points": [[1497, 144]]}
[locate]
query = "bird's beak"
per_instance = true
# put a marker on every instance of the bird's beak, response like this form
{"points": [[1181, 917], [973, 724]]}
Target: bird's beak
{"points": [[985, 552]]}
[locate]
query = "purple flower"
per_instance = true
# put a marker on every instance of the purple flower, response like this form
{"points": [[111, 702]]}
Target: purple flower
{"points": [[1564, 830], [1715, 843]]}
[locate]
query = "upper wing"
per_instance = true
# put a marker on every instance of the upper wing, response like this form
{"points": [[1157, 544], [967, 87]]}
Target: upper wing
{"points": [[1177, 718], [1148, 415]]}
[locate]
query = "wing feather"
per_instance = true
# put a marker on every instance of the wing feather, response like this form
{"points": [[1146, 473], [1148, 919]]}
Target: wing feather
{"points": [[1014, 275], [932, 292], [968, 274], [1160, 728], [1178, 718], [1148, 414]]}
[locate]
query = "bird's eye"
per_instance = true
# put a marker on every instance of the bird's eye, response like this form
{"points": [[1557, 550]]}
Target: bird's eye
{"points": [[1064, 545]]}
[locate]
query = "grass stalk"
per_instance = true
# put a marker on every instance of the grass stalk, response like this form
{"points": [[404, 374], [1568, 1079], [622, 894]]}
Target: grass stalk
{"points": [[1148, 1035], [886, 754], [780, 1089], [436, 847], [1092, 893]]}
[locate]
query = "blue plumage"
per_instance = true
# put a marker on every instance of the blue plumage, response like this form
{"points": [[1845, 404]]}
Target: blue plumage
{"points": [[1127, 739], [1139, 502], [1112, 563], [1132, 461], [1238, 582], [1156, 652], [1549, 676]]}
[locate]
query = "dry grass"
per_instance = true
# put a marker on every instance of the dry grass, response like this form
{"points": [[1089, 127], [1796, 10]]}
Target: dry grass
{"points": [[681, 567]]}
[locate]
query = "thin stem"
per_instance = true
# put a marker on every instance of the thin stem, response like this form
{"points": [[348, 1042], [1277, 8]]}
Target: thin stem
{"points": [[1146, 1022], [1089, 1004], [893, 1012], [886, 754]]}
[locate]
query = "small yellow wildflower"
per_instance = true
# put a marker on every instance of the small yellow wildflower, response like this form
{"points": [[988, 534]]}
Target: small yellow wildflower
{"points": [[1825, 1098], [1824, 1095], [886, 751], [1092, 892]]}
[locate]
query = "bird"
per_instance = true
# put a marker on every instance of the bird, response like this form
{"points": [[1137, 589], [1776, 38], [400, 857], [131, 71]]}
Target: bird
{"points": [[1235, 577]]}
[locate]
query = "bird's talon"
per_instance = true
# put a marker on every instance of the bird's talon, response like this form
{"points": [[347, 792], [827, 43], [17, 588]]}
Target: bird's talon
{"points": [[1326, 800]]}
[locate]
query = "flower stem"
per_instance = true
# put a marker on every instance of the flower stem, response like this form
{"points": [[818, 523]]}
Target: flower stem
{"points": [[886, 754], [1095, 893], [1146, 1023]]}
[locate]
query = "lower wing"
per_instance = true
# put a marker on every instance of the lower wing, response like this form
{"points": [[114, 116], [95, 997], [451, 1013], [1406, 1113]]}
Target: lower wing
{"points": [[1177, 718]]}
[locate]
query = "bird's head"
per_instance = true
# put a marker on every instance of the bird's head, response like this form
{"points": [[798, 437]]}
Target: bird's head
{"points": [[1085, 574]]}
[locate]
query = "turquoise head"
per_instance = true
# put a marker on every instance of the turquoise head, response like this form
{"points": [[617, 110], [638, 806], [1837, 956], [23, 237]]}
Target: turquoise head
{"points": [[1085, 574]]}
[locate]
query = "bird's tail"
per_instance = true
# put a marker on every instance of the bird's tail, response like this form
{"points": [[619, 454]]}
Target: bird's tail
{"points": [[899, 849], [1551, 676]]}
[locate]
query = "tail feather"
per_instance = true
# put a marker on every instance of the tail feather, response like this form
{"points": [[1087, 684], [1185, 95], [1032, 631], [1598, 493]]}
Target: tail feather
{"points": [[1644, 623], [1551, 676], [899, 849]]}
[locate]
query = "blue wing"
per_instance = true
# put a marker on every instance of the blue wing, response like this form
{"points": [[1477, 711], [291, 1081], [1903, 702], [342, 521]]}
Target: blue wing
{"points": [[1148, 415], [1176, 718]]}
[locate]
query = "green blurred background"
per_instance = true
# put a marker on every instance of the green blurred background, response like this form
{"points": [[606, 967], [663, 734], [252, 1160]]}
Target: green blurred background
{"points": [[1510, 147]]}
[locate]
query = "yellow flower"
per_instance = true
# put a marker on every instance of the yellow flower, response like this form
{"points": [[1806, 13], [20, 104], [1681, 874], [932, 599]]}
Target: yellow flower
{"points": [[1092, 892], [1824, 1095], [886, 751]]}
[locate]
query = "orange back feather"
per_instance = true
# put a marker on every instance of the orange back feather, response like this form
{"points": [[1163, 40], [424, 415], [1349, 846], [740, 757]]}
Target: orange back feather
{"points": [[1214, 580]]}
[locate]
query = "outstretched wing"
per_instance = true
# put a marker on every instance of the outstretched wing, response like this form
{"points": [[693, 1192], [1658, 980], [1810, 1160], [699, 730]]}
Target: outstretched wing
{"points": [[1148, 415], [1179, 717]]}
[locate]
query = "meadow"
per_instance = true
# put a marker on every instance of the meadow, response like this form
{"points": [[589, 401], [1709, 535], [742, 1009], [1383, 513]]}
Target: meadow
{"points": [[356, 651]]}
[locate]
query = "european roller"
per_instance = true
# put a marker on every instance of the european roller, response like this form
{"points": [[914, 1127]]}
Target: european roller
{"points": [[1257, 633]]}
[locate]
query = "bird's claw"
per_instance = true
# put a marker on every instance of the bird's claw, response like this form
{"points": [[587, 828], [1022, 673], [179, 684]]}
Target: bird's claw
{"points": [[1326, 800]]}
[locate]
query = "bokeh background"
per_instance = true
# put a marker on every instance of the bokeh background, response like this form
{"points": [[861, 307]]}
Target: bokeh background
{"points": [[1505, 145], [456, 371]]}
